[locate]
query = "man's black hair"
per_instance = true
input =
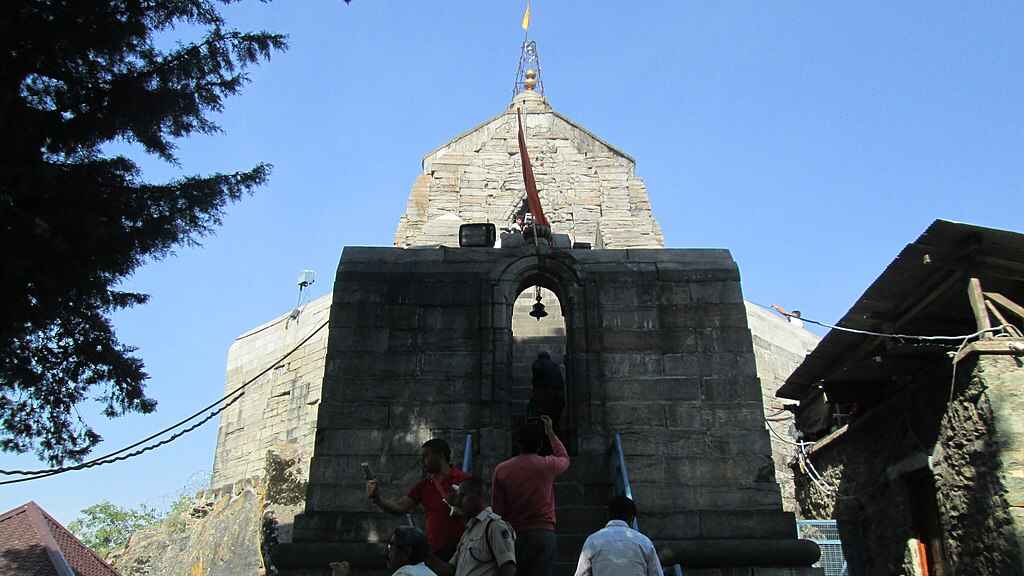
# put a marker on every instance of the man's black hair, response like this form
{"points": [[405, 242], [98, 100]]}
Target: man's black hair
{"points": [[622, 508], [439, 447], [413, 542], [531, 436]]}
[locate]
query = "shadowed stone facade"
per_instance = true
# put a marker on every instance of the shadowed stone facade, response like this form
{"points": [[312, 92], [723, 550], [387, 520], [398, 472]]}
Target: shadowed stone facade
{"points": [[657, 349]]}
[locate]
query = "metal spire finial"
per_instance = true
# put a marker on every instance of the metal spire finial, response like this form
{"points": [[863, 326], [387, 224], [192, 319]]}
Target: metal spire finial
{"points": [[528, 72]]}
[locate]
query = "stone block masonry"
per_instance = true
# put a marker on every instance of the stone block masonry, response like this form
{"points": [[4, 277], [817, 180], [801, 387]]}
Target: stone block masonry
{"points": [[281, 406], [683, 393], [588, 188]]}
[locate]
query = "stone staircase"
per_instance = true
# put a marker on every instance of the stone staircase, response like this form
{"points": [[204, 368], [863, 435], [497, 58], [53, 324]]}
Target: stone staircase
{"points": [[581, 507], [581, 497]]}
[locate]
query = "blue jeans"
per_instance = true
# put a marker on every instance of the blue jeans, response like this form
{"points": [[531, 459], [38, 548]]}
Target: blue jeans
{"points": [[536, 551]]}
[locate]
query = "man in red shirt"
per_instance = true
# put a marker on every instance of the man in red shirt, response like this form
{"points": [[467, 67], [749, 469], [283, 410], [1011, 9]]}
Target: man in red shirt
{"points": [[523, 493], [444, 526]]}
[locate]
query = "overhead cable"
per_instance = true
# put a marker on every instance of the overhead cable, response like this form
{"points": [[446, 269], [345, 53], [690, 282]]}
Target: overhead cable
{"points": [[228, 399]]}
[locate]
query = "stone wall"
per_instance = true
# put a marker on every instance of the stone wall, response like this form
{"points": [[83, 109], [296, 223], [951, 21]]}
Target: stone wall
{"points": [[589, 189], [657, 349], [779, 347], [249, 428], [281, 405], [979, 468]]}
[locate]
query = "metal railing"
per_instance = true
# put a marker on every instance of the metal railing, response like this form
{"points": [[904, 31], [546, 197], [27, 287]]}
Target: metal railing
{"points": [[467, 455], [825, 533], [620, 481]]}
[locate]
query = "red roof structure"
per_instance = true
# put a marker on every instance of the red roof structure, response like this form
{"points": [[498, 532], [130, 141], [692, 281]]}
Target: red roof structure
{"points": [[32, 543]]}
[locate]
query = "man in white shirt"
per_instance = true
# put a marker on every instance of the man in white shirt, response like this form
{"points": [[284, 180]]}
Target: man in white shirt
{"points": [[617, 549]]}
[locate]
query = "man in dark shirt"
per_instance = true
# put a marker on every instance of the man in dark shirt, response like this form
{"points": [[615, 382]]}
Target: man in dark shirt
{"points": [[444, 528], [548, 394]]}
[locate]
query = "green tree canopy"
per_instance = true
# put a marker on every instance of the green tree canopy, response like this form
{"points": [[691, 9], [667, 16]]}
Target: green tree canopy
{"points": [[74, 76], [106, 527]]}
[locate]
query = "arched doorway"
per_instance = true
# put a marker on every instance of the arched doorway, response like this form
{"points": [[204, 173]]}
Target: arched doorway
{"points": [[531, 336], [519, 337]]}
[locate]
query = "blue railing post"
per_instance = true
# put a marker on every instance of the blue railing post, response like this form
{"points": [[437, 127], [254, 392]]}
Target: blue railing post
{"points": [[620, 462], [467, 454], [622, 485]]}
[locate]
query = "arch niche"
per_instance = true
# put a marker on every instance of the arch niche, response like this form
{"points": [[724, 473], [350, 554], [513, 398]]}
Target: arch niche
{"points": [[561, 333]]}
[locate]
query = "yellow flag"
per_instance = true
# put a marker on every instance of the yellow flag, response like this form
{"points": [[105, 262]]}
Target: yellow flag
{"points": [[526, 17]]}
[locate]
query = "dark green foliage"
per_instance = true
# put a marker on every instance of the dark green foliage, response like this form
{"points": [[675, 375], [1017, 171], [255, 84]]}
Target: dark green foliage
{"points": [[75, 75]]}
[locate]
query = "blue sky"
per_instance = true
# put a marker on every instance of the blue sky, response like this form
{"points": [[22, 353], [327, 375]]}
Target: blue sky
{"points": [[813, 140]]}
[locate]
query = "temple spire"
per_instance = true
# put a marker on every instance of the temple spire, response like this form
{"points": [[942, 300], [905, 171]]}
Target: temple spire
{"points": [[528, 77]]}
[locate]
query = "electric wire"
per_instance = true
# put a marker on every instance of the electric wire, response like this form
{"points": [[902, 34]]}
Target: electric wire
{"points": [[228, 399], [1000, 328]]}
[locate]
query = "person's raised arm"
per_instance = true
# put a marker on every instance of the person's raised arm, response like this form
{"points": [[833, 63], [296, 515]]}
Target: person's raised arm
{"points": [[559, 459], [400, 505]]}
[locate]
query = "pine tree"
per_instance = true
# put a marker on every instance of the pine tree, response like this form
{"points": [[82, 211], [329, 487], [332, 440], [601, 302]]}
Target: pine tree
{"points": [[75, 75]]}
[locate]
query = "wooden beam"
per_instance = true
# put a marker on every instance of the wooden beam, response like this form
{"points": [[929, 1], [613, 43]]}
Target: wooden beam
{"points": [[1005, 302], [1011, 346], [995, 312], [977, 299], [1002, 319]]}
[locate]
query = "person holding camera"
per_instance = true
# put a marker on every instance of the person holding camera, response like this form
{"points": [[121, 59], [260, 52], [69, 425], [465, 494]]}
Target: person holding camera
{"points": [[444, 525], [523, 493]]}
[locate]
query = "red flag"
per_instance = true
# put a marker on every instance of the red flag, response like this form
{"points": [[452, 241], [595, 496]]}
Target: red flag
{"points": [[532, 197]]}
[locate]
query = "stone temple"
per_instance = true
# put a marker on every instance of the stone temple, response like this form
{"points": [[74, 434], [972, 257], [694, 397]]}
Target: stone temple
{"points": [[426, 339]]}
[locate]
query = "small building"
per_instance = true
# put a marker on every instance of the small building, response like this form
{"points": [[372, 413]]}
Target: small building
{"points": [[32, 542], [915, 444]]}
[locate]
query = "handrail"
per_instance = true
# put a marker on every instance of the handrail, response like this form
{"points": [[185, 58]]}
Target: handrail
{"points": [[621, 480], [467, 454], [622, 486], [620, 463]]}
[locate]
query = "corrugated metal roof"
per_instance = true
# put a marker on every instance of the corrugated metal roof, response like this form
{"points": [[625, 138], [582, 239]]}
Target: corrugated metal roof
{"points": [[923, 291]]}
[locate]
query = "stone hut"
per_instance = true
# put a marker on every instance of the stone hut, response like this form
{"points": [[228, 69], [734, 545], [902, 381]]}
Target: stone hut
{"points": [[915, 445]]}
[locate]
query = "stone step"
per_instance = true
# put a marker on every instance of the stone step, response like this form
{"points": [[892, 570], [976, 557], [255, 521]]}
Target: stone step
{"points": [[580, 519], [565, 568]]}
